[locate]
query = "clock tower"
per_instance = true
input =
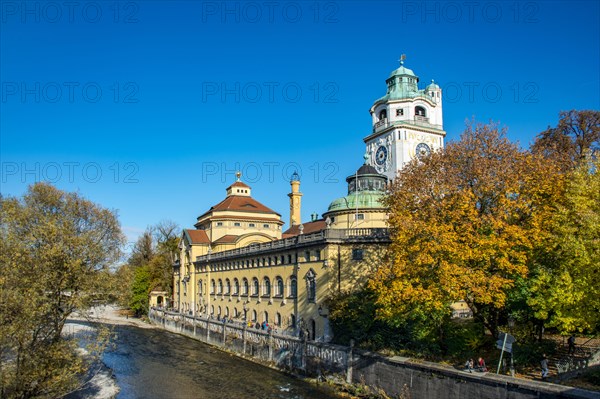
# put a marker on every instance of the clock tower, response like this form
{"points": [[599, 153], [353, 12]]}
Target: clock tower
{"points": [[407, 122]]}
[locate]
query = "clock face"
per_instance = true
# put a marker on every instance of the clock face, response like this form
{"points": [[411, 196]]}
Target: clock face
{"points": [[381, 155], [423, 150]]}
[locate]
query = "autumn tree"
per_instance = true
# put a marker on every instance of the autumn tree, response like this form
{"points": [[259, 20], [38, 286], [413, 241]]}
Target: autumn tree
{"points": [[577, 133], [56, 249], [464, 222]]}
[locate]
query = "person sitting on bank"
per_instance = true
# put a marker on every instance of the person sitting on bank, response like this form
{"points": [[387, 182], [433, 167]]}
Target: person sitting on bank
{"points": [[469, 366], [481, 365]]}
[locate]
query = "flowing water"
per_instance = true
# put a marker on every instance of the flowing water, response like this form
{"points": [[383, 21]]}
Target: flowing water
{"points": [[153, 363]]}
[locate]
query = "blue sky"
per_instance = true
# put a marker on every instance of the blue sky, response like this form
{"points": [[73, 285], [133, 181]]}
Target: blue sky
{"points": [[149, 107]]}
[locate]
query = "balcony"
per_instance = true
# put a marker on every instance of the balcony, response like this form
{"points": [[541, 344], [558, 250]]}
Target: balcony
{"points": [[418, 120], [382, 124]]}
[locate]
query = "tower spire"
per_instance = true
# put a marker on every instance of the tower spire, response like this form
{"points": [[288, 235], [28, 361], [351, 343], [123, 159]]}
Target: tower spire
{"points": [[295, 200]]}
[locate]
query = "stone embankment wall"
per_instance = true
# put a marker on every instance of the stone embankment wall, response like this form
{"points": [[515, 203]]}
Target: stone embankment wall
{"points": [[392, 375]]}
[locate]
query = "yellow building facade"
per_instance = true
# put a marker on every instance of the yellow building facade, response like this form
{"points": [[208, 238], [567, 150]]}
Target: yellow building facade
{"points": [[238, 265]]}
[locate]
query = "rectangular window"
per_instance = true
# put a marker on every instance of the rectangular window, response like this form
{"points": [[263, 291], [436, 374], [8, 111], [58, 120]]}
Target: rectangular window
{"points": [[399, 112], [360, 216], [289, 258], [266, 226], [307, 256], [357, 254], [251, 225], [237, 224], [317, 255], [219, 224]]}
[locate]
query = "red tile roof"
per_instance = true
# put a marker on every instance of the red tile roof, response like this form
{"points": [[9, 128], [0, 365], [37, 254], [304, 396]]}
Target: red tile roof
{"points": [[197, 236], [309, 227], [238, 203], [226, 239], [238, 184]]}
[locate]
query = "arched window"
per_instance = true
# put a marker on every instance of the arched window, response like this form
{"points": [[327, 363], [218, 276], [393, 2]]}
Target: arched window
{"points": [[220, 287], [226, 311], [200, 287], [245, 286], [255, 286], [278, 287], [254, 315], [278, 319], [293, 321], [219, 311], [212, 309], [311, 286], [313, 329], [266, 287], [236, 286], [236, 313], [382, 114], [212, 286], [293, 287], [420, 111], [227, 287], [266, 317]]}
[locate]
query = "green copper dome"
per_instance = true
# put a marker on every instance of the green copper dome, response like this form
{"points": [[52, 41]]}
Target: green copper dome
{"points": [[432, 86], [366, 189], [402, 71], [402, 83], [360, 199]]}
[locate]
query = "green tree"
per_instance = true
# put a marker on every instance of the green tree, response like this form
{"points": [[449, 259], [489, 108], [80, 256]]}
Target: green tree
{"points": [[565, 289], [140, 288], [56, 249], [150, 266]]}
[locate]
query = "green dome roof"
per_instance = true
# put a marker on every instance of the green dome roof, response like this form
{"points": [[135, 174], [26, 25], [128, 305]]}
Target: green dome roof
{"points": [[402, 71], [432, 85], [364, 199]]}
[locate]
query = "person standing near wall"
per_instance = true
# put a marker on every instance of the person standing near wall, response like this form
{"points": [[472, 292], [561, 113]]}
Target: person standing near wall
{"points": [[544, 364], [571, 342]]}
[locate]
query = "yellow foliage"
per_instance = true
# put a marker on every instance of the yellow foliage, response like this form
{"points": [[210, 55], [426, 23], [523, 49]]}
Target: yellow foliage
{"points": [[464, 222]]}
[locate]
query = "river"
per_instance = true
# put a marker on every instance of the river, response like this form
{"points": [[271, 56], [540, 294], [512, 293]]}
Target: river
{"points": [[152, 363]]}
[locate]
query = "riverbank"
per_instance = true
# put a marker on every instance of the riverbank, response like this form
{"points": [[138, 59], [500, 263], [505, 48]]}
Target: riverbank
{"points": [[111, 315]]}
